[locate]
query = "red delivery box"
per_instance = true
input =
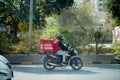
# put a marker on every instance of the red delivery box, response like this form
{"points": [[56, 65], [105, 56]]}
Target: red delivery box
{"points": [[46, 45]]}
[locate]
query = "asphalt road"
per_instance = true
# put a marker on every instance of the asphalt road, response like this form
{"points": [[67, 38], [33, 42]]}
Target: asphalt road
{"points": [[88, 72]]}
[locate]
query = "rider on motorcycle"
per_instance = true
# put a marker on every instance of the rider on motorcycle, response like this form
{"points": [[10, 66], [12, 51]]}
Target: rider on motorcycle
{"points": [[60, 48]]}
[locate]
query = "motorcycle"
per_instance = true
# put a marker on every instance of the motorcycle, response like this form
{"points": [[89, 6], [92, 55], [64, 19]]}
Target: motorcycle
{"points": [[51, 60]]}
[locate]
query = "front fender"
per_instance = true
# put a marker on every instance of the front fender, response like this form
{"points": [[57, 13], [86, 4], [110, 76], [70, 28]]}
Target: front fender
{"points": [[73, 57]]}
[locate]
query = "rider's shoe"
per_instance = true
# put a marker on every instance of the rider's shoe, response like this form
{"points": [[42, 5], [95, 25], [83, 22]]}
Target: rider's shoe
{"points": [[63, 63]]}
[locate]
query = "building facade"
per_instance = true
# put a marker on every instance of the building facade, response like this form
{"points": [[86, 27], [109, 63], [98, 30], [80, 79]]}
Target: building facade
{"points": [[98, 5]]}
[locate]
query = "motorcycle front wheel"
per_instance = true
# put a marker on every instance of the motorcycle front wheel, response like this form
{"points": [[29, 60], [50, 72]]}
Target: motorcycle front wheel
{"points": [[46, 65], [76, 63]]}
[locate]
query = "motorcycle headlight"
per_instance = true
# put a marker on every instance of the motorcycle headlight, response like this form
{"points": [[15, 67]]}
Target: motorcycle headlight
{"points": [[3, 65]]}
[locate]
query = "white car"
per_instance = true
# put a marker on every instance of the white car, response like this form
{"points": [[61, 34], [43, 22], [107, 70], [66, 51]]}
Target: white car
{"points": [[6, 72]]}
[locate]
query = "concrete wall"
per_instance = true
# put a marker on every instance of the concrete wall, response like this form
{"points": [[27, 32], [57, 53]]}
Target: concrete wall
{"points": [[24, 58], [37, 59]]}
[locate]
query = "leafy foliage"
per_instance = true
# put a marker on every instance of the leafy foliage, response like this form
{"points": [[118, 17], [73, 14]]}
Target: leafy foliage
{"points": [[23, 26], [22, 46], [55, 6], [113, 7], [41, 9], [51, 33], [3, 12], [106, 36], [15, 12], [116, 48], [78, 16], [5, 46]]}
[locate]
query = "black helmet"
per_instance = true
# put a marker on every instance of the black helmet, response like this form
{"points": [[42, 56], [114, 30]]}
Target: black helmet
{"points": [[59, 36]]}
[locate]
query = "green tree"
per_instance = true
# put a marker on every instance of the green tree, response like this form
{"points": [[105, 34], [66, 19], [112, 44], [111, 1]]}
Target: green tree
{"points": [[55, 6], [14, 11], [2, 12], [113, 7], [79, 20], [77, 15], [42, 8]]}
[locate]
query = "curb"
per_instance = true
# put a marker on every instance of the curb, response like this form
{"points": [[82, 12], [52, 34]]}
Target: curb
{"points": [[102, 62], [84, 62]]}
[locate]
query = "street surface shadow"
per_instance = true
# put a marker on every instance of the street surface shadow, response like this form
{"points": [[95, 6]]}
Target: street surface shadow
{"points": [[41, 70], [105, 66]]}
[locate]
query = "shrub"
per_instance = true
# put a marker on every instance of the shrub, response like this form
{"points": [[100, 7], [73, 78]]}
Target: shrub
{"points": [[5, 45], [116, 48], [100, 50], [23, 46]]}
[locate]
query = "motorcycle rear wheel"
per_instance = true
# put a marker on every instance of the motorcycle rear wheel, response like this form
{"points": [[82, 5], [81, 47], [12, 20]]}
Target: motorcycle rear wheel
{"points": [[46, 65]]}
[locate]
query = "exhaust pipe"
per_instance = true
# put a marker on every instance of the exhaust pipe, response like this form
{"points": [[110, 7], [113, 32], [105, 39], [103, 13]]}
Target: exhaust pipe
{"points": [[56, 65], [52, 64]]}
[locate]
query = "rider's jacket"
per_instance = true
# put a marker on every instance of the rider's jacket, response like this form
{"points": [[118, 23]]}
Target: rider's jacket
{"points": [[56, 45]]}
